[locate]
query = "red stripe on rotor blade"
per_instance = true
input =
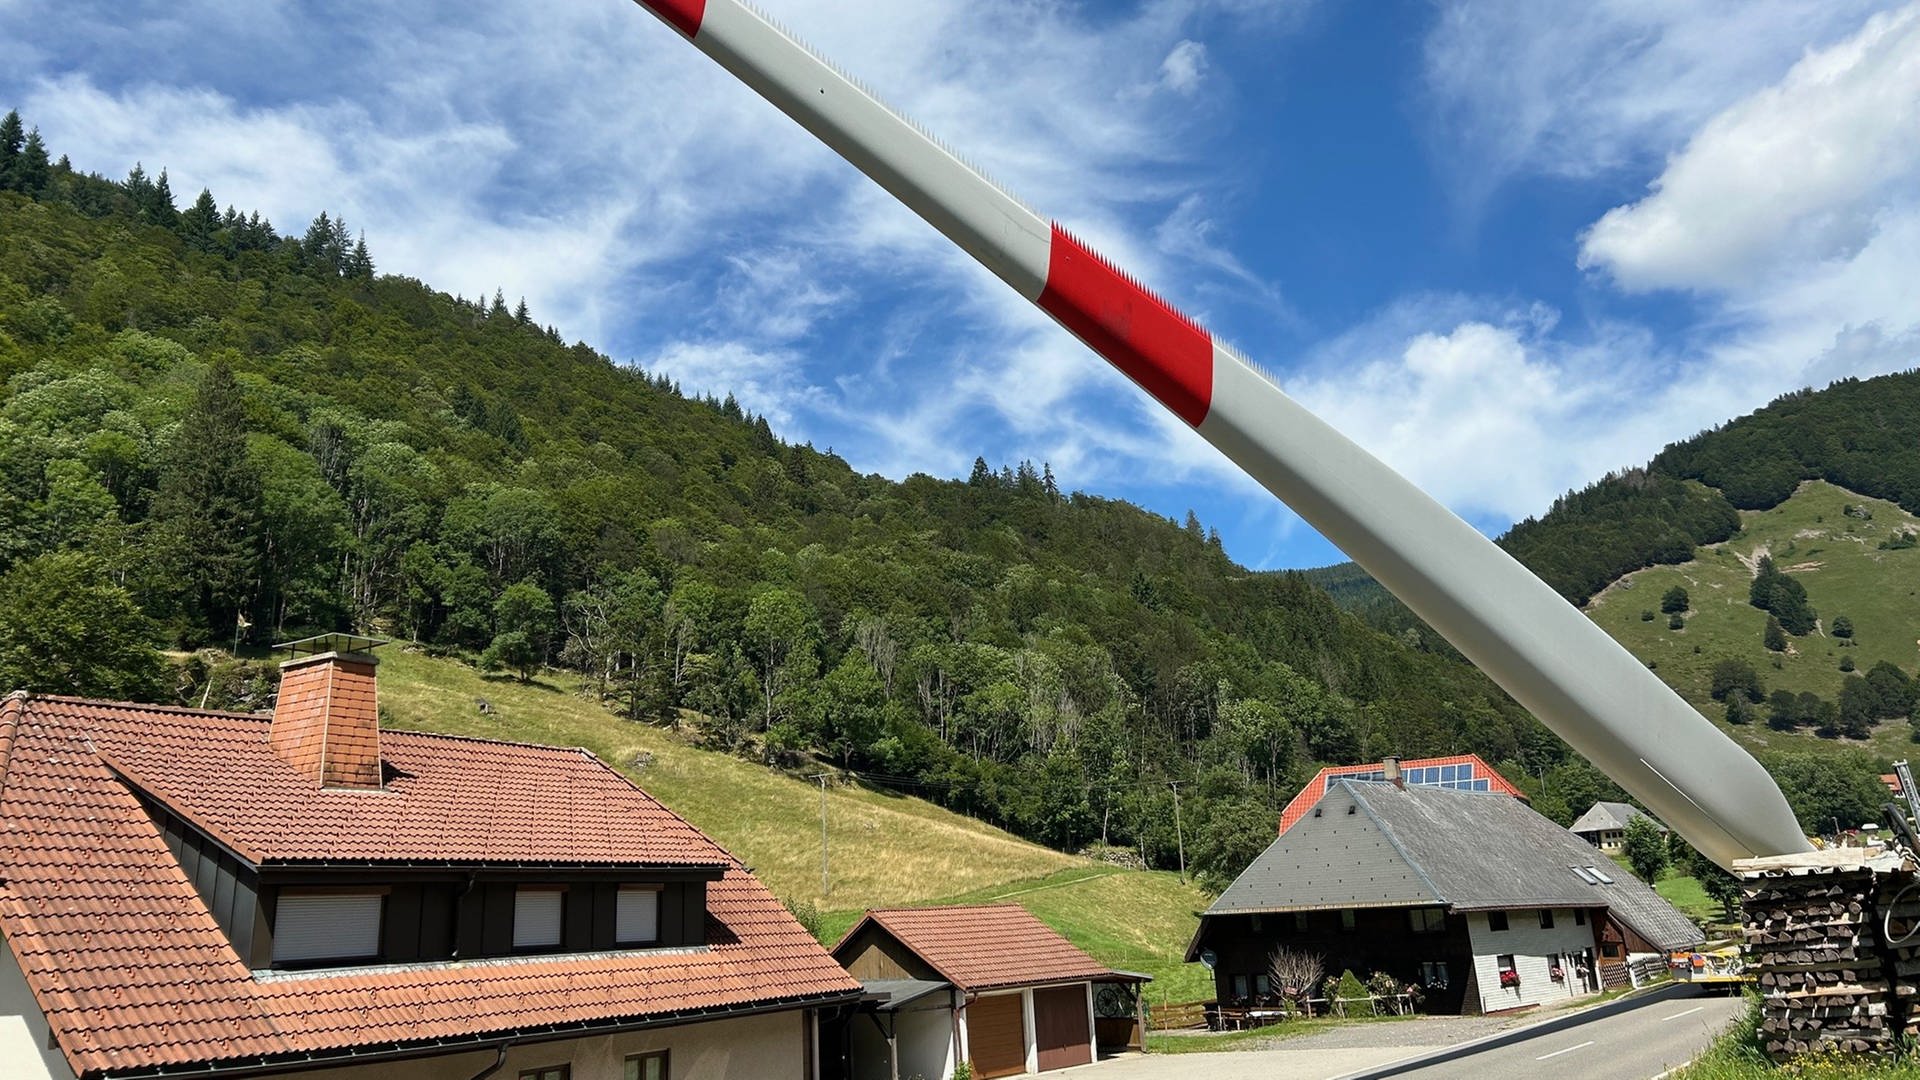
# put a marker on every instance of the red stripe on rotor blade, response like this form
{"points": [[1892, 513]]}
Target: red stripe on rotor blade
{"points": [[685, 15], [1169, 355]]}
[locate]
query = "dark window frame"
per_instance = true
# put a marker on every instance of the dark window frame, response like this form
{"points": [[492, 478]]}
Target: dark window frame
{"points": [[549, 1072], [664, 1057], [1496, 921], [1426, 920], [1546, 918]]}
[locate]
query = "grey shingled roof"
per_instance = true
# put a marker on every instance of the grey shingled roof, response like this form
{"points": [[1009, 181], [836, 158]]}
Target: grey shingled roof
{"points": [[1609, 815], [1377, 845]]}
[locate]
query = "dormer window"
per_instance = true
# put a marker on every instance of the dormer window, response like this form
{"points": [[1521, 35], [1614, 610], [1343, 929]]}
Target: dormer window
{"points": [[311, 927], [637, 915], [536, 917]]}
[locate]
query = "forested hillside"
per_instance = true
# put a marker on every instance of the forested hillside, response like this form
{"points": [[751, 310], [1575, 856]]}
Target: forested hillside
{"points": [[1768, 569], [216, 434]]}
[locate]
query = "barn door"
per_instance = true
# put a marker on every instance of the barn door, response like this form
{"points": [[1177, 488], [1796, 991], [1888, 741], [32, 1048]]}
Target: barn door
{"points": [[997, 1036], [1061, 1028]]}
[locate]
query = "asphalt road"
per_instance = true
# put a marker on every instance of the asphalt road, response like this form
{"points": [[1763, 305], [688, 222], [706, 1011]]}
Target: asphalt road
{"points": [[1629, 1040]]}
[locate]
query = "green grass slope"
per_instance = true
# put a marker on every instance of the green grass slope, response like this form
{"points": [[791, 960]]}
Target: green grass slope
{"points": [[884, 849], [1835, 555]]}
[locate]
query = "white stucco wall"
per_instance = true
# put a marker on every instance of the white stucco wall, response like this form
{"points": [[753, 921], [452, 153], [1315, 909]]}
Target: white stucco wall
{"points": [[750, 1048], [1534, 951], [926, 1043], [23, 1030]]}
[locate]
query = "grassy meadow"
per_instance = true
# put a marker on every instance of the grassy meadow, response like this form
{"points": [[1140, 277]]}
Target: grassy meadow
{"points": [[1834, 554], [883, 848]]}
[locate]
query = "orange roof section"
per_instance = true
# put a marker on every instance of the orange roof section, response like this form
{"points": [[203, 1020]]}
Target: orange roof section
{"points": [[446, 799], [135, 976], [1297, 808], [985, 946]]}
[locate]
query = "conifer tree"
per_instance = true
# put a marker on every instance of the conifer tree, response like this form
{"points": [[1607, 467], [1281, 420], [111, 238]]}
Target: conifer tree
{"points": [[200, 223], [12, 137], [360, 263], [31, 172], [313, 246], [1774, 638], [521, 315], [208, 506], [499, 303], [159, 208], [982, 475]]}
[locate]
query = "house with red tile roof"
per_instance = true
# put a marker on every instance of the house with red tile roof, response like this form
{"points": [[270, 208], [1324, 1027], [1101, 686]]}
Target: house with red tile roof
{"points": [[1459, 772], [192, 893], [988, 984]]}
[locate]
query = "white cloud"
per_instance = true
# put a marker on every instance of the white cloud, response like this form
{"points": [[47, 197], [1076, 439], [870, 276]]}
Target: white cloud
{"points": [[1184, 67], [1591, 89], [1800, 173], [771, 383]]}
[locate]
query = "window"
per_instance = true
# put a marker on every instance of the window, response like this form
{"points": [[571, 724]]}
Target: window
{"points": [[1601, 874], [1346, 918], [1579, 916], [1585, 875], [636, 918], [536, 917], [648, 1066], [326, 926], [1427, 920], [1496, 920], [1433, 974], [1300, 922], [1546, 918], [1240, 988], [1262, 986], [550, 1072]]}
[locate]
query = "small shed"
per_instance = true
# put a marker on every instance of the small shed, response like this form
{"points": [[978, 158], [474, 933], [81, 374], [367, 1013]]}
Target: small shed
{"points": [[987, 984]]}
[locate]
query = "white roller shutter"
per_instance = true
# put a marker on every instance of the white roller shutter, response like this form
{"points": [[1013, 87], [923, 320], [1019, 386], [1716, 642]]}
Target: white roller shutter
{"points": [[536, 918], [637, 916], [326, 926]]}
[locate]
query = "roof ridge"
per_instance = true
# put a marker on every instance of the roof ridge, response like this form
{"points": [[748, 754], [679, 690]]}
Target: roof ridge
{"points": [[11, 709], [73, 699], [1398, 848]]}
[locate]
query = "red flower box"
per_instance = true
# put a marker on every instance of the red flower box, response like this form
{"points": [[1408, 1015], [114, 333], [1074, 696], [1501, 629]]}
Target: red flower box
{"points": [[1510, 979]]}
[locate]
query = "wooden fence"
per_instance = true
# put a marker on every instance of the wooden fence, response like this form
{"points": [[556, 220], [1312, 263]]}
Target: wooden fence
{"points": [[1179, 1014]]}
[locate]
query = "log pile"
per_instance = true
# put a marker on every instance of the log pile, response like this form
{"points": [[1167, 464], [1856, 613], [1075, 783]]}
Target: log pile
{"points": [[1829, 978]]}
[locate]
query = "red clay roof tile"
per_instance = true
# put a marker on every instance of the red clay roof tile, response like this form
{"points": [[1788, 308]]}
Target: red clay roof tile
{"points": [[133, 973], [985, 946]]}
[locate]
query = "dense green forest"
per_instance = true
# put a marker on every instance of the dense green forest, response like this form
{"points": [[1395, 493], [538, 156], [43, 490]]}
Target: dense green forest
{"points": [[213, 434]]}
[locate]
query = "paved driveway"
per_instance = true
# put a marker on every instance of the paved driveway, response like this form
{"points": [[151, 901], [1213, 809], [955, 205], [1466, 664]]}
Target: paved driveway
{"points": [[1632, 1039]]}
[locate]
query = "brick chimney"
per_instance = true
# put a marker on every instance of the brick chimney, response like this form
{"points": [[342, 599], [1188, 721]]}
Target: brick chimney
{"points": [[1390, 767], [326, 720]]}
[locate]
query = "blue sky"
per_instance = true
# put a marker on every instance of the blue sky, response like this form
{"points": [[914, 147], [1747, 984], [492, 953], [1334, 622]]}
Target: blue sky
{"points": [[1508, 246]]}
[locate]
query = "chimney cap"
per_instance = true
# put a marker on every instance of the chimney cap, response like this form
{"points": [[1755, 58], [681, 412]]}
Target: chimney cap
{"points": [[321, 644]]}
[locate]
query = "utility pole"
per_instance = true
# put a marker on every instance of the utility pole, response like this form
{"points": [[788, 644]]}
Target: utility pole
{"points": [[826, 883], [1179, 837]]}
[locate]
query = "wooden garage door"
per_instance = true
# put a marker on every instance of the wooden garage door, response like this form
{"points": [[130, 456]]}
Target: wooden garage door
{"points": [[997, 1036], [1060, 1024]]}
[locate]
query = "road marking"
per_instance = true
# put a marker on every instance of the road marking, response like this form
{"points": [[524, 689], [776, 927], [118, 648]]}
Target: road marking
{"points": [[1568, 1050], [1678, 1015]]}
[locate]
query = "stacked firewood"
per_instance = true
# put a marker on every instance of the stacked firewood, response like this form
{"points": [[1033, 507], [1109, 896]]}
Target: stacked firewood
{"points": [[1823, 968], [1899, 925]]}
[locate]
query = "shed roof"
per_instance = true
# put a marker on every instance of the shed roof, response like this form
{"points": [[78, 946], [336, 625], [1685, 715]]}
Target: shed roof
{"points": [[135, 976], [985, 946], [1378, 845]]}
